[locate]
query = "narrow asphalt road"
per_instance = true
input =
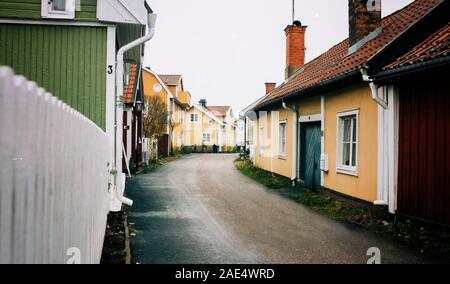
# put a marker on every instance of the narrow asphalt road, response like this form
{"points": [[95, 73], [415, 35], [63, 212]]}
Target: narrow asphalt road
{"points": [[201, 210]]}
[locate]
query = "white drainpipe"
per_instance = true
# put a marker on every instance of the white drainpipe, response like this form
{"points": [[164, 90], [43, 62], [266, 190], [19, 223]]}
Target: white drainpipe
{"points": [[295, 145], [118, 109], [374, 88], [381, 102]]}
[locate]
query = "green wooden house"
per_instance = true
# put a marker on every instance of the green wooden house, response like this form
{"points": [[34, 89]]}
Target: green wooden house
{"points": [[69, 48]]}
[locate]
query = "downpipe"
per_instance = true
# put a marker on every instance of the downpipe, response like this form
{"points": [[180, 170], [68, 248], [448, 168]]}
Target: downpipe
{"points": [[374, 89], [118, 105], [285, 106], [381, 102]]}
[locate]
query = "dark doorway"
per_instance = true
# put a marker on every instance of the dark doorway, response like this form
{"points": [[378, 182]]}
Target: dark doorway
{"points": [[310, 150]]}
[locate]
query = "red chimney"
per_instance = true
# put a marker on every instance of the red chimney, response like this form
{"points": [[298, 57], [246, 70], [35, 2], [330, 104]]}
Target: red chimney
{"points": [[295, 48], [270, 87], [364, 18]]}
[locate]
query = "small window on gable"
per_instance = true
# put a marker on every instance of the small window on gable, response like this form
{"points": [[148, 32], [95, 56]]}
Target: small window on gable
{"points": [[58, 9], [194, 117]]}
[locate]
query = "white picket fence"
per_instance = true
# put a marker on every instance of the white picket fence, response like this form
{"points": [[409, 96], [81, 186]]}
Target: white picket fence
{"points": [[54, 178], [149, 150]]}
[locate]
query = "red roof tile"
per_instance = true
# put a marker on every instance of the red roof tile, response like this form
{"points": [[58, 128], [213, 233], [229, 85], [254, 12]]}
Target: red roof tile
{"points": [[437, 45], [220, 111], [336, 61], [129, 91], [171, 80]]}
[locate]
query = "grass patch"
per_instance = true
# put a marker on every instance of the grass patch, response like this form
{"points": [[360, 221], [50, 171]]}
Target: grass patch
{"points": [[425, 238], [268, 179], [148, 168]]}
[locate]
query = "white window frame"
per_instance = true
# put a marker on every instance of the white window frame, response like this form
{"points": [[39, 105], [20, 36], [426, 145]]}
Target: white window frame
{"points": [[340, 167], [48, 12], [261, 141], [282, 137], [207, 135], [194, 117]]}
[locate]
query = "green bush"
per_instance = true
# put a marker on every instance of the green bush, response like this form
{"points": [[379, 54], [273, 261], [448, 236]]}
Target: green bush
{"points": [[186, 150]]}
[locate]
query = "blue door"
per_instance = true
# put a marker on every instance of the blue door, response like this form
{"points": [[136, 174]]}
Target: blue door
{"points": [[310, 154]]}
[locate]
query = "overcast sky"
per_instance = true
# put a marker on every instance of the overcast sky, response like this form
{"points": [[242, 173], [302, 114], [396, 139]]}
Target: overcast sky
{"points": [[227, 49]]}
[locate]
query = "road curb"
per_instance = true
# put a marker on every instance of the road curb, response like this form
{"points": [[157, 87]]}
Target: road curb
{"points": [[127, 241]]}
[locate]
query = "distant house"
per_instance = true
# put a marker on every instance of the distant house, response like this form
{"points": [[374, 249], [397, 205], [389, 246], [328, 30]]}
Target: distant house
{"points": [[226, 116], [69, 48], [209, 126], [179, 103], [366, 119], [171, 90]]}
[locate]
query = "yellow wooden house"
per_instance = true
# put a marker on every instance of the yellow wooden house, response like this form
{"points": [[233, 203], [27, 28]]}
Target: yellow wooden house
{"points": [[171, 90], [327, 126]]}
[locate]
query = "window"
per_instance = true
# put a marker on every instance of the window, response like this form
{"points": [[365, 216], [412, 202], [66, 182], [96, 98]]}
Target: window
{"points": [[282, 139], [62, 9], [211, 121], [207, 138], [347, 154], [261, 142], [194, 117]]}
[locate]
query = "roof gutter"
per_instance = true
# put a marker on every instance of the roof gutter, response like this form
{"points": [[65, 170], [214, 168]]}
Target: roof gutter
{"points": [[374, 88], [118, 105], [391, 46], [421, 66]]}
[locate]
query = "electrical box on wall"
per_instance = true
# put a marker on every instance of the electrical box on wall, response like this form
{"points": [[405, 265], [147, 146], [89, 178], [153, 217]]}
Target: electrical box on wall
{"points": [[324, 162]]}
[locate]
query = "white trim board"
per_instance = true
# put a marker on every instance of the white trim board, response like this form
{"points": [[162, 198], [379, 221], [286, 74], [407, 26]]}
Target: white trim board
{"points": [[310, 118], [54, 23], [208, 115]]}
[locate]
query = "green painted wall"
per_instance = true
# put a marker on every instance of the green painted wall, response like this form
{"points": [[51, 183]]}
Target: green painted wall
{"points": [[70, 62], [31, 9]]}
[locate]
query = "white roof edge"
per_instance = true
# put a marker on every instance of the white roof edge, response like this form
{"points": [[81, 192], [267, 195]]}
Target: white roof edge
{"points": [[210, 115], [159, 80]]}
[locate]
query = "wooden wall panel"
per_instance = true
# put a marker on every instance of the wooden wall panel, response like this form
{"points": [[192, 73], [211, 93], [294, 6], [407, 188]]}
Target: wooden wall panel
{"points": [[424, 149]]}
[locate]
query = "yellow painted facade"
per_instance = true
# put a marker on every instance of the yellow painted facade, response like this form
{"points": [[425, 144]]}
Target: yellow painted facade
{"points": [[205, 124], [220, 133], [363, 185], [149, 82], [176, 106], [269, 158]]}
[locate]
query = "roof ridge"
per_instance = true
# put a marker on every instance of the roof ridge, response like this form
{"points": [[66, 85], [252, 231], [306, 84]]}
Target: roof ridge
{"points": [[336, 61]]}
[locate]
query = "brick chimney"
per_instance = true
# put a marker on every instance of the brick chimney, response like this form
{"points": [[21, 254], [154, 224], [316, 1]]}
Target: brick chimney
{"points": [[270, 87], [364, 18], [295, 48], [202, 102]]}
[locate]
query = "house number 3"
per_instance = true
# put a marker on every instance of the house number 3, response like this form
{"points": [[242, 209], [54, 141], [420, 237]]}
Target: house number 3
{"points": [[110, 69]]}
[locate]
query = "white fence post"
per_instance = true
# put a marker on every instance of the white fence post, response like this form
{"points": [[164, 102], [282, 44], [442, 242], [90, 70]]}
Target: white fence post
{"points": [[53, 179]]}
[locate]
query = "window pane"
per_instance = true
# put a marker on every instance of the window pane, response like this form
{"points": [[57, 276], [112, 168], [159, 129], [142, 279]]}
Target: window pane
{"points": [[346, 154], [354, 130], [347, 131], [59, 5], [353, 155]]}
